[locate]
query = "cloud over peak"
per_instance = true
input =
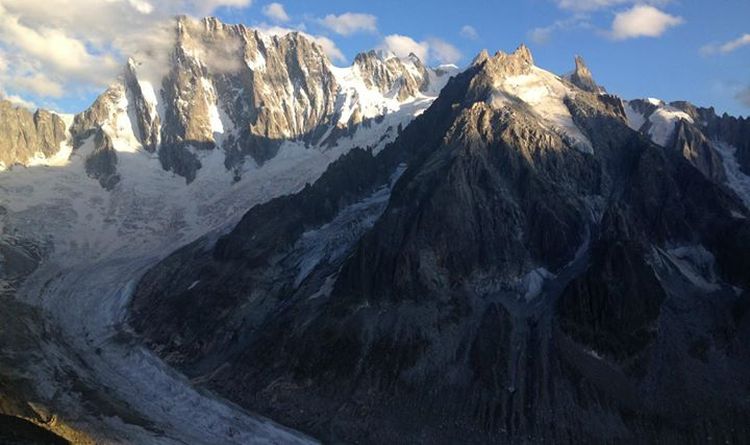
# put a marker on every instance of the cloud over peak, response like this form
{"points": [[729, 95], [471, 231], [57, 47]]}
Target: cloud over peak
{"points": [[427, 50]]}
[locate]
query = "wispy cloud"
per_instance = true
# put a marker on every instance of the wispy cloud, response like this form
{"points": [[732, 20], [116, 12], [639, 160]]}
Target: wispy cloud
{"points": [[276, 12], [543, 34], [642, 21], [402, 46], [350, 23], [443, 51], [593, 5], [469, 32], [744, 96], [727, 47], [432, 49]]}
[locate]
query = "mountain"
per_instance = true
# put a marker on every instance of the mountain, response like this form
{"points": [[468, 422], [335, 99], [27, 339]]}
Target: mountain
{"points": [[244, 92], [178, 147], [379, 253], [531, 260], [26, 137]]}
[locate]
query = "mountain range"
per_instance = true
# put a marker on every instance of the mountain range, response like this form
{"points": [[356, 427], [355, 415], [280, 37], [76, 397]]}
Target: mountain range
{"points": [[382, 253]]}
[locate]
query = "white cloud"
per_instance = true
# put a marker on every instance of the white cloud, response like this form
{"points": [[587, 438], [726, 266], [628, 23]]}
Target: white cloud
{"points": [[276, 12], [432, 49], [727, 47], [39, 84], [469, 32], [349, 23], [402, 46], [20, 101], [542, 35], [642, 21], [443, 51], [142, 6], [588, 5], [205, 7], [593, 5], [330, 48], [55, 50]]}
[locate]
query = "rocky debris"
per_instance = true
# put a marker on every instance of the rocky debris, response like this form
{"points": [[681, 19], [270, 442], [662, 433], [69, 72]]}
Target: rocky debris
{"points": [[25, 135]]}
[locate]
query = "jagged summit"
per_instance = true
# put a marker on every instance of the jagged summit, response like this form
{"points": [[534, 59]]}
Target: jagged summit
{"points": [[480, 58], [524, 53], [245, 92], [582, 77]]}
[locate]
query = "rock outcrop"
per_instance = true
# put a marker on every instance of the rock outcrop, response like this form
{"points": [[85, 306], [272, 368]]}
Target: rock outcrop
{"points": [[582, 77], [25, 135]]}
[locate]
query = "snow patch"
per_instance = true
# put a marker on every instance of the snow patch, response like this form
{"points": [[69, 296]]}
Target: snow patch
{"points": [[532, 283], [737, 180], [545, 93], [635, 118], [697, 265], [663, 122]]}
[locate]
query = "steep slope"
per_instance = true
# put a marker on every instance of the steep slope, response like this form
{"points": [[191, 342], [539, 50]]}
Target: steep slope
{"points": [[540, 272], [26, 137], [716, 145], [245, 93]]}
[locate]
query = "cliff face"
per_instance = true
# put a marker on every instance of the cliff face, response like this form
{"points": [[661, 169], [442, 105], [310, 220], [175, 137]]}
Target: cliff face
{"points": [[516, 266], [25, 135], [245, 93]]}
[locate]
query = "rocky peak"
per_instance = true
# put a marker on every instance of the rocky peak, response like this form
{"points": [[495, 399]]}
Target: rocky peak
{"points": [[518, 62], [25, 135], [383, 71], [524, 53], [582, 77], [480, 58]]}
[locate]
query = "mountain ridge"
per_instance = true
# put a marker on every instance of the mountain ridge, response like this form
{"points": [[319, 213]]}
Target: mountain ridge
{"points": [[529, 270], [519, 258]]}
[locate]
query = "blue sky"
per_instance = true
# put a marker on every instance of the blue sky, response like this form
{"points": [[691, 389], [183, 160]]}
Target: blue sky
{"points": [[670, 49]]}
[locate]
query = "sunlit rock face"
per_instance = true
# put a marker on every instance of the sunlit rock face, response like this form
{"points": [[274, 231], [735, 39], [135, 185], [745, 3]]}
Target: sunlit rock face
{"points": [[26, 135], [244, 92]]}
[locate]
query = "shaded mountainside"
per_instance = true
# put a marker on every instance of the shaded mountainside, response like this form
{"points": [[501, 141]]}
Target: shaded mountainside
{"points": [[539, 272], [698, 133]]}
